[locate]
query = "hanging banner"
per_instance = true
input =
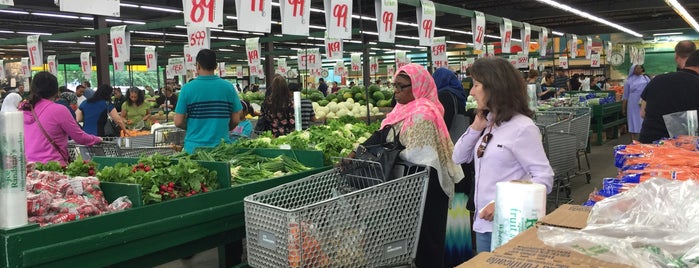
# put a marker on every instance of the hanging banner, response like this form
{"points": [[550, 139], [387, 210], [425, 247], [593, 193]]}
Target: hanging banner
{"points": [[254, 15], [356, 62], [190, 58], [338, 18], [513, 60], [641, 56], [239, 72], [119, 66], [563, 62], [252, 49], [340, 69], [573, 46], [309, 59], [121, 43], [7, 2], [109, 8], [386, 18], [199, 38], [169, 73], [295, 16], [489, 51], [86, 64], [478, 29], [522, 61], [25, 68], [439, 52], [533, 63], [526, 35], [151, 59], [333, 48], [222, 69], [594, 60], [257, 70], [608, 50], [544, 41], [2, 69], [426, 22], [373, 65], [401, 59], [177, 66], [52, 64], [467, 64], [203, 13], [632, 55], [390, 70], [506, 35], [588, 47], [281, 67], [35, 50]]}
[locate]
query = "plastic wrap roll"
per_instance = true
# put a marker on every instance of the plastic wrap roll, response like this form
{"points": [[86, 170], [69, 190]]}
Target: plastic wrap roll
{"points": [[519, 204], [13, 197], [297, 110]]}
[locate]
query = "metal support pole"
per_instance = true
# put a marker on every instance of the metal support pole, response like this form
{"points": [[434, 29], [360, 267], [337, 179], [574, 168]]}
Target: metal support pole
{"points": [[269, 63], [102, 52]]}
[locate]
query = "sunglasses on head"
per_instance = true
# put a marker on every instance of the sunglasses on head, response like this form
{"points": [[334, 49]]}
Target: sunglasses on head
{"points": [[484, 144]]}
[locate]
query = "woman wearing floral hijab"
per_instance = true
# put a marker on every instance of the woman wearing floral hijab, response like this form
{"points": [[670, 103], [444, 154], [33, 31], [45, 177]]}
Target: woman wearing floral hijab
{"points": [[419, 117]]}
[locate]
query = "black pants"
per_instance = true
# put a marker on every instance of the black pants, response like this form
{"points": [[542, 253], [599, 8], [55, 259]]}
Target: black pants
{"points": [[430, 248]]}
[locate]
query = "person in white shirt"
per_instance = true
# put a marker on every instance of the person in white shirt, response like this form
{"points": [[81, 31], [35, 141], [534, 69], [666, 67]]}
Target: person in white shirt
{"points": [[80, 92]]}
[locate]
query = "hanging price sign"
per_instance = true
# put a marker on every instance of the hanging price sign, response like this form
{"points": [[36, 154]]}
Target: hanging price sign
{"points": [[608, 50], [594, 60], [199, 38], [52, 64], [356, 62], [573, 44], [257, 70], [340, 69], [513, 60], [522, 61], [190, 58], [151, 58], [35, 50], [439, 52], [221, 69], [177, 65], [386, 17], [119, 66], [544, 41], [109, 8], [426, 22], [390, 70], [252, 48], [333, 48], [533, 63], [295, 16], [25, 69], [490, 51], [478, 28], [7, 2], [86, 64], [588, 47], [563, 62], [373, 65], [169, 73], [309, 59], [401, 59], [526, 34], [282, 69], [121, 44], [203, 13], [2, 69], [239, 72], [338, 18], [506, 35], [254, 15]]}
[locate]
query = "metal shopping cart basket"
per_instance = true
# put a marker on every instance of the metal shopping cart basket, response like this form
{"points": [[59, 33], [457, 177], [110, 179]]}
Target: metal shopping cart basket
{"points": [[561, 150], [168, 136], [580, 126], [325, 221], [112, 149]]}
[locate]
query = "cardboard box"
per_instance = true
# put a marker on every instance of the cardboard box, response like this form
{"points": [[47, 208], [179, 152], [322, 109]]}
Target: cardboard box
{"points": [[567, 216]]}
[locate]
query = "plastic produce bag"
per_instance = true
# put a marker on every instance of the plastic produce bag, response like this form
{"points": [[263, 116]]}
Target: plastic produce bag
{"points": [[655, 224], [681, 123]]}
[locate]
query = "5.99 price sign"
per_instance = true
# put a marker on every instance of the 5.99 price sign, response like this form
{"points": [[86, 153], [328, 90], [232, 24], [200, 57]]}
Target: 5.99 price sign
{"points": [[199, 38], [203, 13]]}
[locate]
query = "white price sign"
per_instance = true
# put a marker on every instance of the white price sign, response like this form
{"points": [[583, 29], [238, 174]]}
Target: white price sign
{"points": [[439, 52], [121, 43], [177, 66], [390, 70], [199, 38], [478, 28], [257, 70], [190, 58], [25, 69], [281, 67], [563, 62], [221, 69], [356, 62], [333, 48], [2, 69], [588, 47], [86, 64], [573, 44], [401, 59], [522, 61], [151, 58], [594, 60], [239, 71], [338, 18], [7, 2], [35, 50], [426, 22], [513, 60], [373, 65], [108, 8], [203, 13], [53, 64], [254, 15], [544, 40], [309, 59], [506, 35], [526, 34], [386, 14], [295, 16], [533, 63], [119, 66], [252, 48], [340, 69], [608, 51], [169, 73]]}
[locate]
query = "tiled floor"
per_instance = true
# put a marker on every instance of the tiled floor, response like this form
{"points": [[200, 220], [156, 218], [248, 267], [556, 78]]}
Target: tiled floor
{"points": [[602, 166]]}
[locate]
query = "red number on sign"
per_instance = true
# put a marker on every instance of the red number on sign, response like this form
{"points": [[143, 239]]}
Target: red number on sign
{"points": [[115, 42], [199, 9], [31, 54], [197, 39], [340, 12], [333, 47], [298, 7], [387, 21], [252, 5], [149, 58], [427, 27], [189, 58], [479, 34]]}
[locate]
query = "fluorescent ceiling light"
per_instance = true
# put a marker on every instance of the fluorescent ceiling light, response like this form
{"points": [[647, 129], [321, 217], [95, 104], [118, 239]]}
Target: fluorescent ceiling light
{"points": [[7, 32], [683, 13], [134, 22], [54, 15], [128, 5], [162, 9], [590, 16], [87, 18], [62, 41], [225, 49], [185, 27], [14, 12], [150, 33], [317, 27], [557, 33], [33, 33], [455, 42], [227, 38], [113, 20], [86, 43], [673, 33]]}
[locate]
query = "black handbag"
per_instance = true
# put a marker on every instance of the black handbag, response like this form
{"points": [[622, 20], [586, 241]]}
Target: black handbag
{"points": [[384, 153], [111, 129]]}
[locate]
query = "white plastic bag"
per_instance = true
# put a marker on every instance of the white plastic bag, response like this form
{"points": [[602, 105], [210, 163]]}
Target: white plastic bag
{"points": [[681, 123]]}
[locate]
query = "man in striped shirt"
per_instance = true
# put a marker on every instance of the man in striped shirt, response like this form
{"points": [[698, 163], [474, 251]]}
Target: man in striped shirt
{"points": [[207, 107], [307, 113]]}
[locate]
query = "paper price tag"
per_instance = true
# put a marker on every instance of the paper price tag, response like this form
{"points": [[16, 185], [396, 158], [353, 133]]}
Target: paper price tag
{"points": [[309, 59], [52, 64], [221, 69], [295, 16], [254, 15], [25, 68], [7, 2], [203, 13], [478, 29], [177, 66], [239, 71], [356, 62], [333, 48], [151, 58], [522, 62], [373, 65], [563, 62], [506, 35], [2, 69], [526, 35], [573, 44], [426, 22], [35, 50], [386, 14], [439, 52], [252, 48], [119, 66], [588, 47], [121, 43], [608, 50], [544, 40], [390, 70], [86, 64], [199, 38], [190, 58], [513, 60], [338, 18], [340, 69], [594, 60]]}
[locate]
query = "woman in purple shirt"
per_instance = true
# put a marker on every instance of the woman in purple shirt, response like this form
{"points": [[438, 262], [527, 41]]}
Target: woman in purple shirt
{"points": [[503, 140]]}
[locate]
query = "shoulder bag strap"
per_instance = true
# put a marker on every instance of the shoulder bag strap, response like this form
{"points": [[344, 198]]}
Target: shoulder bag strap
{"points": [[53, 143], [456, 106]]}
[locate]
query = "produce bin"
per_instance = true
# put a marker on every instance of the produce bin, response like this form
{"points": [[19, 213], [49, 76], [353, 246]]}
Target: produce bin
{"points": [[144, 236]]}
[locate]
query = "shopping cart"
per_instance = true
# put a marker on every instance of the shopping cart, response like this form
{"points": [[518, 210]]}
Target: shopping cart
{"points": [[325, 220], [580, 126], [561, 150], [166, 136], [112, 149]]}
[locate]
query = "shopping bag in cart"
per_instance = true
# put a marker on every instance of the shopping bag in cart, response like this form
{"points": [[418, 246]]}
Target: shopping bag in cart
{"points": [[384, 153]]}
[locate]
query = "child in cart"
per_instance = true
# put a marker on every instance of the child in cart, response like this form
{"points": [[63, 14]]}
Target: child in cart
{"points": [[244, 128]]}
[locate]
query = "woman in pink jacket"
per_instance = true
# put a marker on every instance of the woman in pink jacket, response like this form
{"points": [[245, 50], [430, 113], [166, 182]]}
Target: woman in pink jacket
{"points": [[47, 139]]}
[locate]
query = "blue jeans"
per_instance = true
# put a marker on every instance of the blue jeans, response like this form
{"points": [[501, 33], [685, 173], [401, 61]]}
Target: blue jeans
{"points": [[483, 242]]}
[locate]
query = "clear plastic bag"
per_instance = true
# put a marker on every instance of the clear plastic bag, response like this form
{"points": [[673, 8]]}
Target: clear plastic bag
{"points": [[655, 224], [681, 123]]}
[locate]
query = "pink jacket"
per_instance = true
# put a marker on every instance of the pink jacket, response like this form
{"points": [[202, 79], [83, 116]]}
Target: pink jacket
{"points": [[59, 124]]}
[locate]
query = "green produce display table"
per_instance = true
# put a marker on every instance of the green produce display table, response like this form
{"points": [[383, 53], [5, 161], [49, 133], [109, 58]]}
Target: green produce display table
{"points": [[607, 116], [145, 236]]}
